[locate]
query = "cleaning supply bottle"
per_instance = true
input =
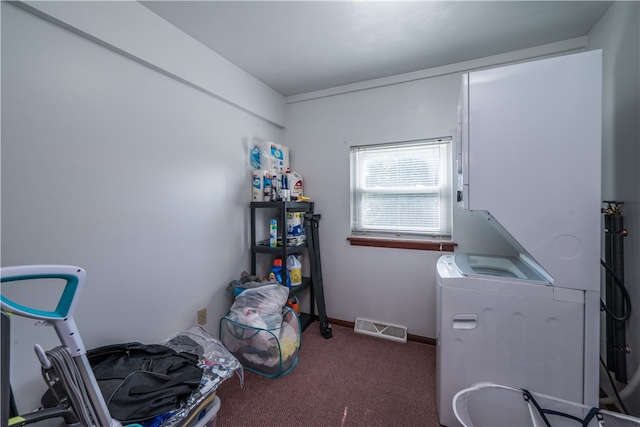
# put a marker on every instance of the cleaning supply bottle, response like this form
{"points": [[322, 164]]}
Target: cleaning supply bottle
{"points": [[294, 304], [273, 233], [276, 272], [294, 267], [286, 194], [295, 185]]}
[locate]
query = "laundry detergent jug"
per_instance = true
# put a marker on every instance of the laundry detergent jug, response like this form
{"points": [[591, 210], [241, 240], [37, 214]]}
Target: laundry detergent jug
{"points": [[276, 273], [294, 267]]}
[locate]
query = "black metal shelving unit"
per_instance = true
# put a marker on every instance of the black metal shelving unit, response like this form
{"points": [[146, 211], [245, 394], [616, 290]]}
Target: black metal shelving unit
{"points": [[313, 283]]}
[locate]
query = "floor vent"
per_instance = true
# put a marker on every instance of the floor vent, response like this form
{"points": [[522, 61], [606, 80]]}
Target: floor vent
{"points": [[380, 329]]}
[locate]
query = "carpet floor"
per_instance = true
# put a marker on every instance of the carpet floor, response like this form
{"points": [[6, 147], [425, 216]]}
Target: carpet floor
{"points": [[348, 380]]}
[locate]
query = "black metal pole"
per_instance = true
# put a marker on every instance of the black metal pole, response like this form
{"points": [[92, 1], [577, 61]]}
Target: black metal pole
{"points": [[609, 324], [619, 334]]}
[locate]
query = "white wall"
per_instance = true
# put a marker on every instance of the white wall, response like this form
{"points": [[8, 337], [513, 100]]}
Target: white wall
{"points": [[118, 168], [390, 285], [618, 35]]}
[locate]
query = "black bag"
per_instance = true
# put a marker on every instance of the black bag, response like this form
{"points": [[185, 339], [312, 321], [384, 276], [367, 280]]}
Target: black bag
{"points": [[141, 381]]}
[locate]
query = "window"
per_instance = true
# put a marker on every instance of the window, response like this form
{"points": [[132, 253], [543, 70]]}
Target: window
{"points": [[402, 190]]}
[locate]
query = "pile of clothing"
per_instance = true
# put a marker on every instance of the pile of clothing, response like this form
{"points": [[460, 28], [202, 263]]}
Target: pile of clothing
{"points": [[158, 385]]}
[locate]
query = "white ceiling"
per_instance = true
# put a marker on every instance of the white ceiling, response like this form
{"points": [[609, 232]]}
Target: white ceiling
{"points": [[302, 46]]}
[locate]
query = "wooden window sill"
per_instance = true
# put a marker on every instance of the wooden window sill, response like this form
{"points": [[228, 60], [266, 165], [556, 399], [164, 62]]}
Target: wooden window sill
{"points": [[402, 244]]}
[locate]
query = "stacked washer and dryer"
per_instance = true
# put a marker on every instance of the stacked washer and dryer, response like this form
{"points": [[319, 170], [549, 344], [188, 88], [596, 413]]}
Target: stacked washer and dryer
{"points": [[529, 161]]}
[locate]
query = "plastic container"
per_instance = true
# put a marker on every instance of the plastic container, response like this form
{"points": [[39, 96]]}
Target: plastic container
{"points": [[276, 272], [295, 229], [490, 404], [295, 185], [294, 267], [285, 193], [294, 304], [207, 417], [273, 233]]}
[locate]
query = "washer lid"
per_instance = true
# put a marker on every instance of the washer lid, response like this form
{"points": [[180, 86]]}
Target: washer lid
{"points": [[496, 266]]}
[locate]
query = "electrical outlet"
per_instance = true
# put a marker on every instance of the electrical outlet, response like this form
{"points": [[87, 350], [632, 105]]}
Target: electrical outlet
{"points": [[202, 316]]}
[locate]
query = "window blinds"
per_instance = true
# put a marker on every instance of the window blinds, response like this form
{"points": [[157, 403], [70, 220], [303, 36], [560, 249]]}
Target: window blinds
{"points": [[402, 189]]}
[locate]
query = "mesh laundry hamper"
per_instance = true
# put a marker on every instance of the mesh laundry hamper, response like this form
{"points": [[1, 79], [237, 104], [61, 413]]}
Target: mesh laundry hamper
{"points": [[271, 352], [488, 404]]}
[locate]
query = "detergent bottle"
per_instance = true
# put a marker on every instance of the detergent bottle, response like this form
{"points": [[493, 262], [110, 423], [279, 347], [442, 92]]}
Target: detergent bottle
{"points": [[294, 180], [276, 272], [294, 304], [294, 267]]}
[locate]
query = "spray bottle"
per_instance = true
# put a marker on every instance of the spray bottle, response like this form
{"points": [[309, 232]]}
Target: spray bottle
{"points": [[273, 233]]}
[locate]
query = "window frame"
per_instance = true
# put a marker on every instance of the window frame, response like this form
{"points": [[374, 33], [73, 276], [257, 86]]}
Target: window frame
{"points": [[411, 238]]}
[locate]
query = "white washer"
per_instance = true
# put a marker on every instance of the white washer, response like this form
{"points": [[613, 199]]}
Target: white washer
{"points": [[500, 321]]}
